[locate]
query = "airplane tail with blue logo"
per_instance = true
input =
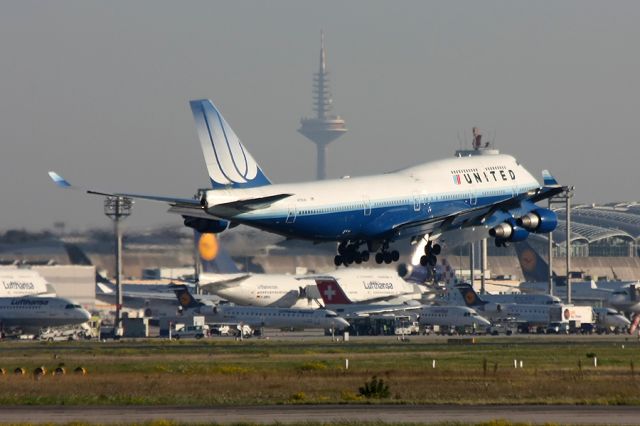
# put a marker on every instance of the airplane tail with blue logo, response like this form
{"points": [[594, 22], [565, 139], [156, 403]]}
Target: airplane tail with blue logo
{"points": [[214, 258], [185, 298], [471, 298], [534, 268], [229, 163]]}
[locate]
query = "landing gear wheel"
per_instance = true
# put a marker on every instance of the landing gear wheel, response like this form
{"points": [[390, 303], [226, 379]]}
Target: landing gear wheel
{"points": [[379, 258], [388, 258], [337, 260], [432, 260], [395, 256], [424, 261], [365, 256], [436, 249]]}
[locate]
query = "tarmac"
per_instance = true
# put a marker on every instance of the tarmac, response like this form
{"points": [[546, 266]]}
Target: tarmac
{"points": [[292, 414]]}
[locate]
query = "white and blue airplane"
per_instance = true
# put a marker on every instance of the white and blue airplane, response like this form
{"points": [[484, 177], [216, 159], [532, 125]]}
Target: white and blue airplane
{"points": [[490, 194]]}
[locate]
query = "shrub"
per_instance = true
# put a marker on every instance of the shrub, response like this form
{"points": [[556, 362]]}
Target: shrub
{"points": [[376, 388], [313, 366], [299, 396]]}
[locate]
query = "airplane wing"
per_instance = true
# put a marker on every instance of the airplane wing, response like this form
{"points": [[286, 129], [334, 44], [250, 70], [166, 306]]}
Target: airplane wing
{"points": [[185, 206], [487, 215], [184, 203]]}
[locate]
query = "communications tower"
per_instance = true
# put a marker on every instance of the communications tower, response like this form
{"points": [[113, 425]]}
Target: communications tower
{"points": [[323, 128]]}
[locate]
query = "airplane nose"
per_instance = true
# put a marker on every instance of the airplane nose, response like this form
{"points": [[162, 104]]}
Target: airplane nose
{"points": [[341, 323], [84, 314]]}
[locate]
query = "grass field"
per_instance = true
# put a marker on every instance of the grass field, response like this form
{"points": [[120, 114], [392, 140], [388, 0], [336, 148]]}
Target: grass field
{"points": [[310, 372]]}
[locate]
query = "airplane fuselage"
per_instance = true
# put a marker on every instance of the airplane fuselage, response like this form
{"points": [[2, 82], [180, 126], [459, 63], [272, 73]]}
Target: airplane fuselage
{"points": [[282, 290], [33, 313], [371, 208]]}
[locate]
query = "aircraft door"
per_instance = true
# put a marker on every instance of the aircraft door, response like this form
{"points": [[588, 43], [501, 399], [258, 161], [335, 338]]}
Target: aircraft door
{"points": [[366, 202], [473, 198], [416, 202], [293, 212], [427, 201]]}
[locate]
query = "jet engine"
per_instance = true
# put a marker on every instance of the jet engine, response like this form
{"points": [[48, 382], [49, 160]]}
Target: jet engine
{"points": [[539, 221], [509, 231], [203, 226]]}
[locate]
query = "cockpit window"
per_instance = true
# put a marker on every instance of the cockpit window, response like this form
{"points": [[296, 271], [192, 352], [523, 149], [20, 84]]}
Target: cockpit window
{"points": [[331, 315], [69, 306]]}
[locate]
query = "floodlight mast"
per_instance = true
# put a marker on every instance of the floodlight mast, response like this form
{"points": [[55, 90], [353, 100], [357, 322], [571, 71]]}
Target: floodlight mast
{"points": [[118, 208]]}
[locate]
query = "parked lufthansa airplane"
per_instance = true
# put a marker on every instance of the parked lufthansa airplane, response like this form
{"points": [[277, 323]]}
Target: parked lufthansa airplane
{"points": [[491, 194]]}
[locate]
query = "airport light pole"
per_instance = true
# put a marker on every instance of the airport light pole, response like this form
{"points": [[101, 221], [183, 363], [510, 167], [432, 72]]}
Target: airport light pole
{"points": [[550, 236], [118, 208], [483, 264], [568, 195], [564, 198]]}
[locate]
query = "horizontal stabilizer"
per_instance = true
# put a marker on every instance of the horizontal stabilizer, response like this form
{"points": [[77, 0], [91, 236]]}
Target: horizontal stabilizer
{"points": [[241, 206]]}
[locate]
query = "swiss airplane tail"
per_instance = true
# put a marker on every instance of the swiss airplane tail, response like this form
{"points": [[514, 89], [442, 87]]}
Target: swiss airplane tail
{"points": [[331, 292], [228, 162]]}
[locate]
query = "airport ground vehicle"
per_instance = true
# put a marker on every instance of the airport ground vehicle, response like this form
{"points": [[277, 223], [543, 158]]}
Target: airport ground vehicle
{"points": [[558, 328], [406, 325], [192, 332]]}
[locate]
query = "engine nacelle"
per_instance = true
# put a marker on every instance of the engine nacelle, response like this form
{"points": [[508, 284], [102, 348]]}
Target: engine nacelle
{"points": [[508, 231], [540, 221], [203, 226]]}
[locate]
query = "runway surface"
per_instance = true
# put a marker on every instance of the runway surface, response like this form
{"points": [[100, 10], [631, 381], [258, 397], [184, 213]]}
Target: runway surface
{"points": [[592, 415]]}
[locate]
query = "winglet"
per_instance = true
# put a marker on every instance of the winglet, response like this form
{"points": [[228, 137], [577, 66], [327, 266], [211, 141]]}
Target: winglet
{"points": [[59, 180], [548, 178]]}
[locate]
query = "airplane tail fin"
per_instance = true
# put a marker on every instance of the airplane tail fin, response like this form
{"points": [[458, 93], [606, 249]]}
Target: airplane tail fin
{"points": [[331, 292], [185, 299], [534, 268], [77, 256], [548, 179], [471, 298], [228, 162], [213, 258]]}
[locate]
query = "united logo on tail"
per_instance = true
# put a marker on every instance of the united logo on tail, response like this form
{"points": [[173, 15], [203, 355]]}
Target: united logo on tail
{"points": [[228, 162]]}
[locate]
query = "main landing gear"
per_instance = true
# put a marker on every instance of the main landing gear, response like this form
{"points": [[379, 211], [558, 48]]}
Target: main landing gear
{"points": [[349, 253], [431, 251], [386, 256]]}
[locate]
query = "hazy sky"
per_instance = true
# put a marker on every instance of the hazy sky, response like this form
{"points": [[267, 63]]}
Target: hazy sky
{"points": [[98, 91]]}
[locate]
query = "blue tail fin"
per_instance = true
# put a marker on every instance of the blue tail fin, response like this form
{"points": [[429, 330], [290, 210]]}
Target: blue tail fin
{"points": [[186, 300], [228, 162], [548, 179], [471, 298], [77, 256], [213, 258], [534, 268]]}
